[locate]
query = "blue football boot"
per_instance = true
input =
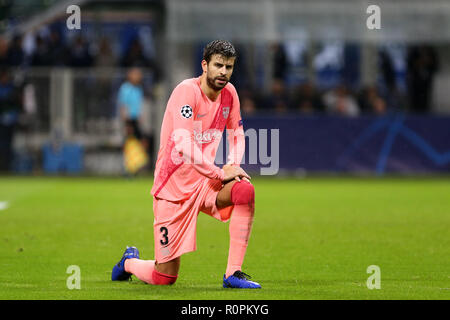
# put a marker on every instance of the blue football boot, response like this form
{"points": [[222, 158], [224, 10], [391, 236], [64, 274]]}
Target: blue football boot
{"points": [[118, 272], [240, 280]]}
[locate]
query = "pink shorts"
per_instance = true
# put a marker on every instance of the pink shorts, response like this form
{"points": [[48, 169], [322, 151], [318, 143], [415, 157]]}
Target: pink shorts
{"points": [[175, 223]]}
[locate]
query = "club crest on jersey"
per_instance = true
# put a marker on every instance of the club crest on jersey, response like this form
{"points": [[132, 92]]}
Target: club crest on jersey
{"points": [[226, 112], [186, 111]]}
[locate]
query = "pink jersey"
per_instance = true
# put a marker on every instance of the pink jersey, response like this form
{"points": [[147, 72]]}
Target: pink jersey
{"points": [[190, 135]]}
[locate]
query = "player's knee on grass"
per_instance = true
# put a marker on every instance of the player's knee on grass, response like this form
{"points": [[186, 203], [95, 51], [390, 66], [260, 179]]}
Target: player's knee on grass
{"points": [[163, 279], [243, 192]]}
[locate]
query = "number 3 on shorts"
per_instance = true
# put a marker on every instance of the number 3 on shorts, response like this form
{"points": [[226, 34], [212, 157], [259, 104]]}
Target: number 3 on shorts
{"points": [[165, 235]]}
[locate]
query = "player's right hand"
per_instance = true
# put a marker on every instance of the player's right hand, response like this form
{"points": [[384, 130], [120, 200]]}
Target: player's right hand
{"points": [[234, 173]]}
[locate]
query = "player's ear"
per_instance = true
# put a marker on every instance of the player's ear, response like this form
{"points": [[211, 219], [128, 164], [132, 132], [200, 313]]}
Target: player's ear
{"points": [[204, 65]]}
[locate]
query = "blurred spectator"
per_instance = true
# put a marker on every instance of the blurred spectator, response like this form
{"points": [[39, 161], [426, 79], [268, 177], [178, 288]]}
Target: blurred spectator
{"points": [[280, 62], [422, 65], [394, 98], [278, 99], [247, 100], [130, 100], [29, 46], [371, 102], [104, 59], [241, 77], [306, 99], [10, 106], [56, 49], [15, 52], [387, 71], [79, 53], [379, 106], [3, 52], [41, 54], [248, 105], [105, 56], [135, 57], [340, 101]]}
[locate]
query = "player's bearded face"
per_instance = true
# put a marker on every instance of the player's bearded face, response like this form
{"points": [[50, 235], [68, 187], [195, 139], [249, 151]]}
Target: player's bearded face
{"points": [[218, 71]]}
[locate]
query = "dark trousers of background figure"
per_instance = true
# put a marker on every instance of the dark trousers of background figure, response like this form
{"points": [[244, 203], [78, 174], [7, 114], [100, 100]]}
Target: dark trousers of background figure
{"points": [[420, 95]]}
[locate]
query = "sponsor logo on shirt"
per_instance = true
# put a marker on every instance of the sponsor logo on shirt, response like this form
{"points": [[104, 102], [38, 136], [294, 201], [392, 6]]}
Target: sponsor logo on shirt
{"points": [[207, 136]]}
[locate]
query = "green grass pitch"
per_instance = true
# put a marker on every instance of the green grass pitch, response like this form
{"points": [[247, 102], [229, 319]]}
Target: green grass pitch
{"points": [[312, 239]]}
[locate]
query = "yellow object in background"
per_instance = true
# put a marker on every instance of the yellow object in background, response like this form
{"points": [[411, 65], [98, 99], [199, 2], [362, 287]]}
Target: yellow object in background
{"points": [[135, 156]]}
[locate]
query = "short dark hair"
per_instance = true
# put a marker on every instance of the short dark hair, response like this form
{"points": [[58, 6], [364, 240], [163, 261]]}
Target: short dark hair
{"points": [[221, 47]]}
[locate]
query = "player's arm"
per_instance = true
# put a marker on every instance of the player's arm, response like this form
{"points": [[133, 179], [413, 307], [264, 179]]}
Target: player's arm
{"points": [[181, 108], [235, 133]]}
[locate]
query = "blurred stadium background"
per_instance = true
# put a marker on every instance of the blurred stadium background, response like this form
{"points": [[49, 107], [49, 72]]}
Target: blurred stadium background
{"points": [[344, 98]]}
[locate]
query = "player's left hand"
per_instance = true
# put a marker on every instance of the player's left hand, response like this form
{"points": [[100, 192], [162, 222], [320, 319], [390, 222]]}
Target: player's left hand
{"points": [[243, 178], [243, 175]]}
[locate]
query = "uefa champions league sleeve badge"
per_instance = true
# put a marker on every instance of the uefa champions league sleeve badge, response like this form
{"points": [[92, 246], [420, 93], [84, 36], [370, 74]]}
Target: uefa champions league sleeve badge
{"points": [[186, 111]]}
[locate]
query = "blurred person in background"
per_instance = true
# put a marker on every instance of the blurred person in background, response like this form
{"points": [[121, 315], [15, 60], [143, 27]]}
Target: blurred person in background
{"points": [[57, 49], [3, 52], [339, 101], [15, 53], [105, 60], [393, 97], [10, 106], [387, 72], [280, 62], [105, 56], [80, 55], [307, 100], [422, 66], [371, 101], [41, 54], [135, 57], [278, 98], [248, 106], [130, 101]]}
